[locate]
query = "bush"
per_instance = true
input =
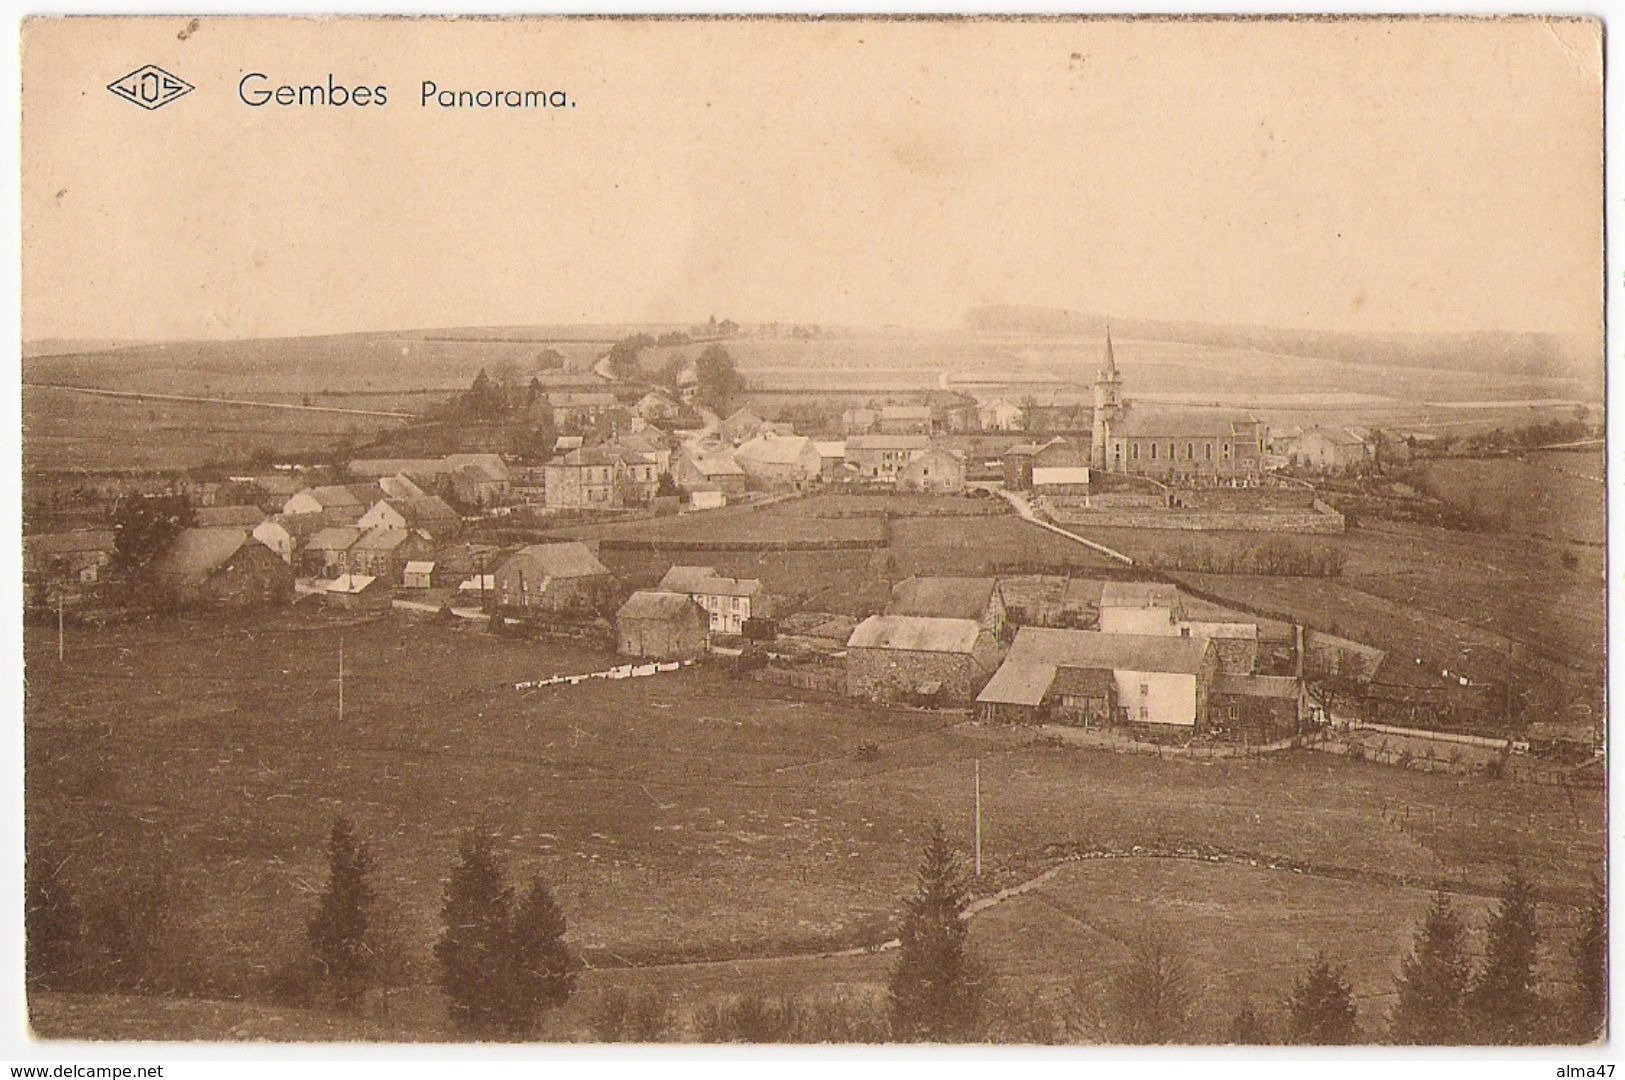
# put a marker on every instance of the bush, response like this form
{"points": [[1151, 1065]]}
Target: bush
{"points": [[750, 1018], [618, 1015]]}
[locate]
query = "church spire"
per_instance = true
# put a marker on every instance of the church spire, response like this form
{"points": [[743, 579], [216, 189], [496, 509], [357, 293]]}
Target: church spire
{"points": [[1108, 370]]}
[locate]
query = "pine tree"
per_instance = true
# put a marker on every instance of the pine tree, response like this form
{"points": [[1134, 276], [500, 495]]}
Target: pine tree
{"points": [[936, 988], [474, 948], [338, 930], [1503, 1002], [1589, 951], [544, 966], [1321, 1009], [1432, 982]]}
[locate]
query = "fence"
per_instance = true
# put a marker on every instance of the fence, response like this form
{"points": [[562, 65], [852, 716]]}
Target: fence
{"points": [[622, 671]]}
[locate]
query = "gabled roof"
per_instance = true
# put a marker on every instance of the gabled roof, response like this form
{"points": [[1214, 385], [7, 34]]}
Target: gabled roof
{"points": [[715, 463], [423, 510], [659, 606], [208, 516], [915, 634], [705, 581], [1114, 652], [568, 559], [942, 597], [1177, 424], [1138, 594], [1337, 436], [334, 538], [381, 538], [419, 566], [351, 583], [830, 448], [774, 449], [197, 553], [297, 526], [1018, 682], [69, 542], [1082, 681], [332, 495]]}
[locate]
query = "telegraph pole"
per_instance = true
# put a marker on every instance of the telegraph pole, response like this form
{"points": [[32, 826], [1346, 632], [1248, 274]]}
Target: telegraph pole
{"points": [[978, 817], [341, 680], [61, 647]]}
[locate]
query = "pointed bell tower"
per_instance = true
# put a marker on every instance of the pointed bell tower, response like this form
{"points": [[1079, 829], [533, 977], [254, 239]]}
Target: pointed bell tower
{"points": [[1108, 405]]}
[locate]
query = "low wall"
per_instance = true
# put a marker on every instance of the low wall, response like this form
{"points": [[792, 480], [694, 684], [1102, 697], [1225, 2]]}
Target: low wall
{"points": [[1320, 520]]}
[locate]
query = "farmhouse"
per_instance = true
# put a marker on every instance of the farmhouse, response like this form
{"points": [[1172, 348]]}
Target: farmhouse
{"points": [[1158, 681], [904, 420], [728, 602], [716, 469], [882, 457], [1258, 707], [1001, 414], [332, 497], [383, 552], [1140, 607], [903, 658], [222, 566], [357, 592], [68, 557], [978, 599], [779, 462], [661, 626], [328, 552], [937, 470], [562, 578], [285, 534], [429, 513], [1329, 449]]}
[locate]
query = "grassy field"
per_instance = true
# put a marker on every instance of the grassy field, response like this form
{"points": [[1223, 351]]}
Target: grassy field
{"points": [[1556, 493], [679, 817], [1478, 603], [64, 430]]}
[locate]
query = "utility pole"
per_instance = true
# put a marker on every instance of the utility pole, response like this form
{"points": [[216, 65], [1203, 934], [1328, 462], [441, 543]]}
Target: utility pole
{"points": [[978, 817], [341, 680], [61, 647]]}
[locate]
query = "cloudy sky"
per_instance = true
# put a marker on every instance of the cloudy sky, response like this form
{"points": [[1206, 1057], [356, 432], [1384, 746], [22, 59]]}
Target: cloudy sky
{"points": [[1353, 175]]}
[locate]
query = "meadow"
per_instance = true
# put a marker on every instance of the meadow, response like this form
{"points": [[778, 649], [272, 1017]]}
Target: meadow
{"points": [[695, 827]]}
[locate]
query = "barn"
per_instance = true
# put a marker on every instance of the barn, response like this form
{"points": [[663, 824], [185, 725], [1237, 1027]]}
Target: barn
{"points": [[911, 659], [661, 626], [224, 567], [562, 578]]}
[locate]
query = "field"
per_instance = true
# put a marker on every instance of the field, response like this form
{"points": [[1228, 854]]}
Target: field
{"points": [[684, 817], [1482, 604], [1552, 493]]}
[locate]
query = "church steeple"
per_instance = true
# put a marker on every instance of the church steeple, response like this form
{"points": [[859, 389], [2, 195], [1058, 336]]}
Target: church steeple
{"points": [[1108, 370], [1108, 405]]}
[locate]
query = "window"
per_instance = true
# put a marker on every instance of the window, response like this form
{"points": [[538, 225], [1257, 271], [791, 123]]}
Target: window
{"points": [[1144, 689], [1134, 451], [1153, 451], [1232, 712], [1226, 450], [1207, 451], [1190, 451], [1145, 713], [1171, 451]]}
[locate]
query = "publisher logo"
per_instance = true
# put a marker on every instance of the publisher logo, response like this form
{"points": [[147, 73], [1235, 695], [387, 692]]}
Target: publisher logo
{"points": [[150, 87]]}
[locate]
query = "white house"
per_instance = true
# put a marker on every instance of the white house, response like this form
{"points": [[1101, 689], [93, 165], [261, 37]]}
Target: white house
{"points": [[1140, 607], [728, 601], [1156, 679], [1000, 414]]}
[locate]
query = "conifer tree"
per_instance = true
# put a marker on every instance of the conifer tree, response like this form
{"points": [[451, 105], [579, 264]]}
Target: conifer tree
{"points": [[1432, 982], [936, 988], [474, 948], [1321, 1009], [544, 966], [1504, 1005], [1589, 951], [338, 929]]}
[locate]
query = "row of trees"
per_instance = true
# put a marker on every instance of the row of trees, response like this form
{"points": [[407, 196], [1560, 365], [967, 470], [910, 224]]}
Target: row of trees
{"points": [[1276, 556], [502, 963]]}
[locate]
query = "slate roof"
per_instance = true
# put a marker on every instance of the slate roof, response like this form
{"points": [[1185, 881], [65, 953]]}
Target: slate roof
{"points": [[658, 606], [705, 580], [915, 634], [1094, 649], [773, 449], [381, 538], [1280, 687], [1018, 682], [197, 553], [942, 597], [715, 464], [562, 560], [334, 538], [1178, 424]]}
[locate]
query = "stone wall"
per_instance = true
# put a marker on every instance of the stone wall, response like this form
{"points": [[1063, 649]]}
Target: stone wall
{"points": [[1320, 520], [896, 674]]}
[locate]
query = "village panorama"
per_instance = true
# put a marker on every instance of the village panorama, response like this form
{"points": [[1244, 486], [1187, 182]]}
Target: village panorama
{"points": [[693, 683]]}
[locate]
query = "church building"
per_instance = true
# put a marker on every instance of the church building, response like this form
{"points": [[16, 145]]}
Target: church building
{"points": [[1185, 446]]}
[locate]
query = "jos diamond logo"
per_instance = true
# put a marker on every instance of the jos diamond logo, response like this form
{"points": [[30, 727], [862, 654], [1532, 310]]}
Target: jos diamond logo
{"points": [[150, 87]]}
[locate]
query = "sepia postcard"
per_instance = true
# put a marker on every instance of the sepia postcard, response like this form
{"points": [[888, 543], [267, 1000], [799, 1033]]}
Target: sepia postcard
{"points": [[791, 530]]}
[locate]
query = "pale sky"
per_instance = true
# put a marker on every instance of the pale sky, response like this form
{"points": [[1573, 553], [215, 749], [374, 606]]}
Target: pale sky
{"points": [[1367, 175]]}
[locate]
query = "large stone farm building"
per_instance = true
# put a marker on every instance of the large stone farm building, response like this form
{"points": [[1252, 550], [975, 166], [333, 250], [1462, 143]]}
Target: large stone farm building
{"points": [[904, 658]]}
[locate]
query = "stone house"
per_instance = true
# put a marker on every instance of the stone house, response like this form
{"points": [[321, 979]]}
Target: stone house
{"points": [[67, 558], [286, 534], [978, 599], [661, 626], [429, 514], [1329, 450], [882, 457], [779, 462], [1001, 414], [222, 567], [383, 552], [729, 602], [554, 579], [938, 470], [328, 552], [600, 478], [1260, 708], [329, 497], [716, 469], [903, 658]]}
